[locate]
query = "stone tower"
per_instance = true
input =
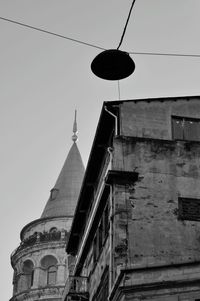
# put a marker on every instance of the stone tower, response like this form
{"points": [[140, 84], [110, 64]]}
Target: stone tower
{"points": [[40, 262]]}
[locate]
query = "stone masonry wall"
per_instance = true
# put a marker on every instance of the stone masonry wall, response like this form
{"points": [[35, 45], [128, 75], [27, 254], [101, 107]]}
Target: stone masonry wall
{"points": [[35, 253], [94, 270], [148, 230], [153, 119]]}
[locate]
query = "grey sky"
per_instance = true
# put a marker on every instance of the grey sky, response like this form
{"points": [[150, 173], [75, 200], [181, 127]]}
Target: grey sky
{"points": [[44, 79]]}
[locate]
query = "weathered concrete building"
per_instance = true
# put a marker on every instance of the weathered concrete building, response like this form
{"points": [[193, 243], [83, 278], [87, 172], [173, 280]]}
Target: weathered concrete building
{"points": [[136, 229], [40, 262]]}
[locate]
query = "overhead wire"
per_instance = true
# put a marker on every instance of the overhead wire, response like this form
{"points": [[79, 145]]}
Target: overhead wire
{"points": [[149, 53], [51, 33], [99, 47], [165, 54]]}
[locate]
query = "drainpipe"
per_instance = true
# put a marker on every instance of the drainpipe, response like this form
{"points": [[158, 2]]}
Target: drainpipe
{"points": [[111, 217], [116, 120]]}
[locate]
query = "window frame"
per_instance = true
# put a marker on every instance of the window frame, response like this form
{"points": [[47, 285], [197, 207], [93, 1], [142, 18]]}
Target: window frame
{"points": [[47, 262], [102, 291], [101, 234], [49, 273], [184, 212], [184, 128], [28, 272]]}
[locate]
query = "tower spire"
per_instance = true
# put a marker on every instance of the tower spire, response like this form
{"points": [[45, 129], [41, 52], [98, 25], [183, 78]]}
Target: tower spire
{"points": [[64, 195], [75, 131]]}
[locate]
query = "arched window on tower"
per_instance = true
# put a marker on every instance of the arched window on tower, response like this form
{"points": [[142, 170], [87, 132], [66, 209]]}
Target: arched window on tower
{"points": [[28, 274], [51, 275], [49, 265]]}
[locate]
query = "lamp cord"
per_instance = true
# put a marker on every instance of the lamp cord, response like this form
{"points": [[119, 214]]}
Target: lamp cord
{"points": [[122, 37]]}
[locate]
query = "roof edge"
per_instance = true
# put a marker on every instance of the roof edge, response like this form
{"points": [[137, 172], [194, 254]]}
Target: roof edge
{"points": [[97, 153], [161, 99]]}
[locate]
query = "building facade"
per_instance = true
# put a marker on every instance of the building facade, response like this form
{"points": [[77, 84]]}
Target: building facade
{"points": [[40, 263], [136, 230]]}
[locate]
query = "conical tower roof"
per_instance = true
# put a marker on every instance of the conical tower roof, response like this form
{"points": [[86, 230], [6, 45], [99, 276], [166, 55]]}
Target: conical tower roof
{"points": [[64, 195]]}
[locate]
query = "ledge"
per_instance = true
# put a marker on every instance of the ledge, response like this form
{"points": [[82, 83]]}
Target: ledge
{"points": [[121, 177]]}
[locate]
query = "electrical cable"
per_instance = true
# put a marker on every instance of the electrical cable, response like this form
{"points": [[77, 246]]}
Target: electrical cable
{"points": [[99, 47], [165, 54], [122, 37], [51, 33]]}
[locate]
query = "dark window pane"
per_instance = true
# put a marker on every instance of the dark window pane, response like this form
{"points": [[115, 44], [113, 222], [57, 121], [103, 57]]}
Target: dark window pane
{"points": [[48, 261], [184, 128], [54, 193], [177, 128], [28, 269], [189, 209], [51, 278], [103, 289], [192, 130]]}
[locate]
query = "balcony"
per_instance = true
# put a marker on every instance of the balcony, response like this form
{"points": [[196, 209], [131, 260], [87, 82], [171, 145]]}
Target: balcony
{"points": [[43, 237], [51, 236], [76, 289]]}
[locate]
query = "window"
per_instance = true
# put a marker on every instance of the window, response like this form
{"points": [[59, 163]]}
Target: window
{"points": [[103, 289], [184, 128], [51, 275], [49, 265], [101, 233], [28, 272], [189, 209], [53, 193]]}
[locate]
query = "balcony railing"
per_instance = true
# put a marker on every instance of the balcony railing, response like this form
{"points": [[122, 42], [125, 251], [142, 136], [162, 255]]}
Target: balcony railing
{"points": [[41, 238], [50, 236], [76, 286]]}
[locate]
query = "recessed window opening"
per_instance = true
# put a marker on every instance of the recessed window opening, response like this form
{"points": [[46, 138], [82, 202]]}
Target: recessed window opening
{"points": [[28, 271], [189, 209], [49, 264], [53, 193], [101, 233], [51, 275], [184, 128]]}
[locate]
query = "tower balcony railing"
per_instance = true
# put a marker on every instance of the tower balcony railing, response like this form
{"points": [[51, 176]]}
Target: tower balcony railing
{"points": [[41, 238], [76, 287], [51, 236]]}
